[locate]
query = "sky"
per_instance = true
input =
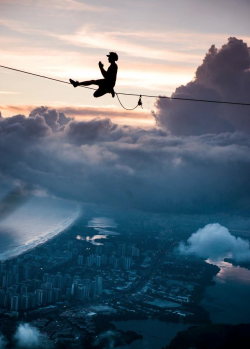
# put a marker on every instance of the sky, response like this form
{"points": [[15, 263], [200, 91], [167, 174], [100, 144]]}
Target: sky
{"points": [[160, 45], [172, 156]]}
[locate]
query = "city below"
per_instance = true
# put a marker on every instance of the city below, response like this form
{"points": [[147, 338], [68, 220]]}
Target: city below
{"points": [[74, 286]]}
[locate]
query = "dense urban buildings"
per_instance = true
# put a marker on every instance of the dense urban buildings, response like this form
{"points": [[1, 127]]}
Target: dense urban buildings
{"points": [[67, 285]]}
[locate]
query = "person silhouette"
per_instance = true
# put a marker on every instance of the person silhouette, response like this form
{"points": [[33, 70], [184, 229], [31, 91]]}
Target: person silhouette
{"points": [[107, 84]]}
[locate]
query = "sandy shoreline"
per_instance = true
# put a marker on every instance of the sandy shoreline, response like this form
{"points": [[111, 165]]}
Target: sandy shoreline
{"points": [[11, 254]]}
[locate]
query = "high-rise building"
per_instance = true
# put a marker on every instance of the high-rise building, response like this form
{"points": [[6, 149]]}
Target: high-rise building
{"points": [[93, 288], [25, 302], [104, 259], [36, 284], [2, 267], [129, 250], [45, 277], [56, 294], [15, 269], [74, 288], [15, 278], [90, 260], [32, 300], [27, 273], [49, 296], [9, 279], [135, 252], [14, 303], [75, 251], [98, 261], [116, 263], [52, 280], [86, 282], [35, 271], [24, 290], [3, 299], [111, 259], [127, 263], [59, 281], [98, 282], [67, 280], [47, 286], [121, 249], [69, 254], [68, 293], [81, 292], [39, 297], [10, 293], [80, 260], [16, 288], [4, 281], [80, 248]]}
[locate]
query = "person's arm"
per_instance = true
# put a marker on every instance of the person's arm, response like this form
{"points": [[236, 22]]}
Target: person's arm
{"points": [[103, 71]]}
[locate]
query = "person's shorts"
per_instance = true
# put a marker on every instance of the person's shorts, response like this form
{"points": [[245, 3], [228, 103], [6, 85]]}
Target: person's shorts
{"points": [[103, 85]]}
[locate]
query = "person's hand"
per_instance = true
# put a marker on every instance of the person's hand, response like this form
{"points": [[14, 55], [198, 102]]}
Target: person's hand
{"points": [[100, 64]]}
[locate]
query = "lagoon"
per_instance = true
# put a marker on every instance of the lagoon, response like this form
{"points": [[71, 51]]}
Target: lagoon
{"points": [[156, 334], [228, 300]]}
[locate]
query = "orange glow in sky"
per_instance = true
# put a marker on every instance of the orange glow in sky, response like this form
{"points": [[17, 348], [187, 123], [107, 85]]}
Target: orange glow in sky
{"points": [[159, 49]]}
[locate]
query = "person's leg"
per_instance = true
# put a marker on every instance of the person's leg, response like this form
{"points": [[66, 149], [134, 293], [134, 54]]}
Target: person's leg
{"points": [[87, 83], [74, 83], [100, 92]]}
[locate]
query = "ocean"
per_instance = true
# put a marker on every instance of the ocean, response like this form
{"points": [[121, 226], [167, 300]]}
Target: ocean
{"points": [[35, 221]]}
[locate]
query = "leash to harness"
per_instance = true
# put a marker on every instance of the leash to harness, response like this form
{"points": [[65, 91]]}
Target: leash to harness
{"points": [[139, 103]]}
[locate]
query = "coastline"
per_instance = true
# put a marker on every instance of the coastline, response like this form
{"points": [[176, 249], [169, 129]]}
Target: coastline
{"points": [[43, 240]]}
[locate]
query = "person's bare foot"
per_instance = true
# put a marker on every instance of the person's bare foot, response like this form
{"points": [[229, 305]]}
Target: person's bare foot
{"points": [[74, 83]]}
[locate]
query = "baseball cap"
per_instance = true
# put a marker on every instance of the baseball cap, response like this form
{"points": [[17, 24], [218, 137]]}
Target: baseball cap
{"points": [[113, 55]]}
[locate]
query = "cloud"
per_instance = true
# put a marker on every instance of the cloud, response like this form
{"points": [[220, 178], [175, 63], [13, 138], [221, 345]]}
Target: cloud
{"points": [[74, 5], [22, 126], [66, 5], [101, 162], [8, 93], [12, 201], [215, 241], [27, 336], [139, 117], [90, 36], [224, 75], [52, 117], [106, 339], [3, 342], [201, 166]]}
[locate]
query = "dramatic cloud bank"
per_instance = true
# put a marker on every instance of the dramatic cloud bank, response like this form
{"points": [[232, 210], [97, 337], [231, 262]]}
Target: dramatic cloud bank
{"points": [[215, 241], [98, 161], [224, 75]]}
